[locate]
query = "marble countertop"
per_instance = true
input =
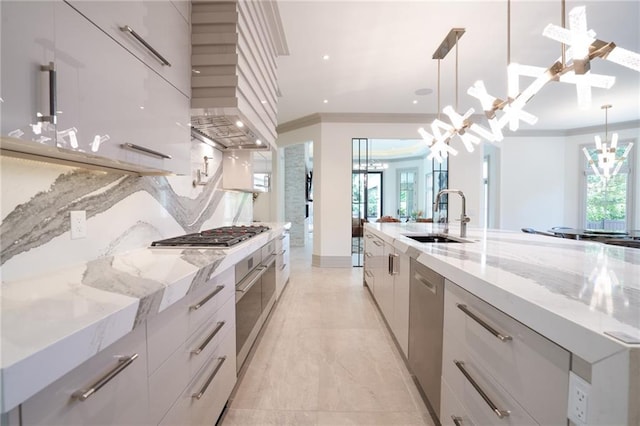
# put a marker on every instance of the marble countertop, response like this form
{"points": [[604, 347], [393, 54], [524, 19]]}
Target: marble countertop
{"points": [[51, 324], [570, 291]]}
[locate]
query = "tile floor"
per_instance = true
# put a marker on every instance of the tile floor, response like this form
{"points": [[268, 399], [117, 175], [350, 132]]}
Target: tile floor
{"points": [[325, 358]]}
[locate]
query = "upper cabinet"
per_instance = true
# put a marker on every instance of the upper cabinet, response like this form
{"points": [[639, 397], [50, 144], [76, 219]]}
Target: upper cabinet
{"points": [[154, 31], [71, 92], [246, 170]]}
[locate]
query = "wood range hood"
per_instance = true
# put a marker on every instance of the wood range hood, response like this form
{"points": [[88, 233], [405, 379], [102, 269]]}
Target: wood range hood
{"points": [[234, 89]]}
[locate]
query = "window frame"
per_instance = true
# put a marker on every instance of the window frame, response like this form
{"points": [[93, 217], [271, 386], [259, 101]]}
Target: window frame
{"points": [[585, 170]]}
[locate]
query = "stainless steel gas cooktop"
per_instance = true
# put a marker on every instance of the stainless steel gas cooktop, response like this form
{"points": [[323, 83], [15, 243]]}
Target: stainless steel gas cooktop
{"points": [[225, 236]]}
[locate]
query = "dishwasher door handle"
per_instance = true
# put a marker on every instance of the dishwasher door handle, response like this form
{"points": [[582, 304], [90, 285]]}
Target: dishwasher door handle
{"points": [[422, 280]]}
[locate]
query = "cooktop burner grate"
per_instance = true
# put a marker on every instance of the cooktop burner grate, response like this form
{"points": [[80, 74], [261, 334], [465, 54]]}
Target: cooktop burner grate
{"points": [[225, 236]]}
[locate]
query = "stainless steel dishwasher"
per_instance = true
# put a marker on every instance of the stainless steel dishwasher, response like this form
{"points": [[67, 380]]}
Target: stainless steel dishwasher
{"points": [[426, 310]]}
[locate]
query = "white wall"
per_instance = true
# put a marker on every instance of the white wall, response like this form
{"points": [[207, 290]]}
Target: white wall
{"points": [[532, 186], [465, 174]]}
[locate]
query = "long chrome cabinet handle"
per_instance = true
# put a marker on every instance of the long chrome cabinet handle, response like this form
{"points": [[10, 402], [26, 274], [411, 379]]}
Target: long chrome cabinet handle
{"points": [[53, 94], [500, 413], [282, 237], [502, 337], [456, 420], [210, 379], [208, 339], [123, 362], [378, 243], [142, 149], [259, 272], [206, 299], [367, 254], [142, 41], [284, 265], [281, 253]]}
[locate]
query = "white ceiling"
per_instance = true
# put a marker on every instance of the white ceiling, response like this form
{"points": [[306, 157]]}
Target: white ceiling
{"points": [[381, 53]]}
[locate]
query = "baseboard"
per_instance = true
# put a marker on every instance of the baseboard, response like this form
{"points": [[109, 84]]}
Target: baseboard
{"points": [[331, 261]]}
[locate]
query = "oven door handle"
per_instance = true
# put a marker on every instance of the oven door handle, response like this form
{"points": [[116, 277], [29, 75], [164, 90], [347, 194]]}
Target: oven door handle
{"points": [[267, 264], [251, 281]]}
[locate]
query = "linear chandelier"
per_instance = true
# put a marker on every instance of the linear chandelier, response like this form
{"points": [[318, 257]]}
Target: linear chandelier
{"points": [[608, 164], [583, 48]]}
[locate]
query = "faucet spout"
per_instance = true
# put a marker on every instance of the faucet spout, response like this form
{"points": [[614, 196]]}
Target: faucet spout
{"points": [[464, 219]]}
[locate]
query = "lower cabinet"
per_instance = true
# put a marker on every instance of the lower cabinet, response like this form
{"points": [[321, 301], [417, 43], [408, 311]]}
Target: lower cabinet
{"points": [[499, 370], [283, 262], [204, 398], [108, 389], [386, 273]]}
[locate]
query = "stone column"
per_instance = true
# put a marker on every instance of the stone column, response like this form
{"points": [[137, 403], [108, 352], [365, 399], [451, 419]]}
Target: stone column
{"points": [[295, 157]]}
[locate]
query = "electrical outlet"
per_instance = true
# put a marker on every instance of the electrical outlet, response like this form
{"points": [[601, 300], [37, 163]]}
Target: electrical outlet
{"points": [[78, 224], [578, 399]]}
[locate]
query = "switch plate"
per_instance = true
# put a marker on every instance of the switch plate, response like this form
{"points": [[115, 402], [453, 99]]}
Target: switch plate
{"points": [[78, 224], [578, 399]]}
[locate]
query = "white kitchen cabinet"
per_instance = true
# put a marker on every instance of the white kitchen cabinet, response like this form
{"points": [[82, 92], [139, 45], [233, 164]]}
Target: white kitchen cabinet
{"points": [[169, 329], [401, 286], [283, 262], [387, 273], [108, 389], [204, 398], [158, 24], [112, 109], [172, 377], [27, 34], [516, 366], [374, 260], [452, 412], [107, 94], [244, 170]]}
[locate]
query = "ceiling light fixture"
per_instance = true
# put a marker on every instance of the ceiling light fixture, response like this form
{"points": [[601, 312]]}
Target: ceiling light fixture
{"points": [[325, 57], [608, 164], [239, 123]]}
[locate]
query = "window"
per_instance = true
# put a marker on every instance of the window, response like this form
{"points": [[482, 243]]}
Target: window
{"points": [[607, 203], [407, 193]]}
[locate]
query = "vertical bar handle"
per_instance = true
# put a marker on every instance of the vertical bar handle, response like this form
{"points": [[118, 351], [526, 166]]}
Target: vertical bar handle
{"points": [[457, 420], [53, 94]]}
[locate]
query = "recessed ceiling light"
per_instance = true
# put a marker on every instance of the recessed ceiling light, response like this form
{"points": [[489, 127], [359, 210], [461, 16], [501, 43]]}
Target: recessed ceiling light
{"points": [[239, 123], [263, 102], [258, 142], [141, 107], [326, 101], [325, 57], [415, 102]]}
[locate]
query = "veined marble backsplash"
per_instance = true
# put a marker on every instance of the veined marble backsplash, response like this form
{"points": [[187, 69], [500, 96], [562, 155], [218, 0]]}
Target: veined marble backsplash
{"points": [[124, 212]]}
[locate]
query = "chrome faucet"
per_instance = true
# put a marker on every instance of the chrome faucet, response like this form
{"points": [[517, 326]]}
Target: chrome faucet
{"points": [[464, 219]]}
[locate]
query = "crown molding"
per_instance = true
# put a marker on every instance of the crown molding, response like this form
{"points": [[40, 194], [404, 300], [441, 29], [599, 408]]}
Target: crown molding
{"points": [[392, 118]]}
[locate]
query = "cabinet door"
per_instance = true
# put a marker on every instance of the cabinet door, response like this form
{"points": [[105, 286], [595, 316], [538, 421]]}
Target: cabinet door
{"points": [[159, 23], [282, 262], [109, 98], [27, 44], [384, 286], [121, 400], [400, 323]]}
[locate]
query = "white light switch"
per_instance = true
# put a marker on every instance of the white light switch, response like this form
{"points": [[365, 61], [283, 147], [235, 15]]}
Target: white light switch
{"points": [[78, 224]]}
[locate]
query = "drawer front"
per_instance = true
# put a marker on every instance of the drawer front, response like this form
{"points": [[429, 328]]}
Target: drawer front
{"points": [[159, 23], [470, 397], [170, 380], [122, 400], [534, 370], [208, 299], [221, 375], [452, 412], [169, 330]]}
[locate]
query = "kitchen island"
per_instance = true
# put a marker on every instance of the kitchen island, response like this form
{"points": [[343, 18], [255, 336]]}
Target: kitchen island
{"points": [[576, 294], [52, 324]]}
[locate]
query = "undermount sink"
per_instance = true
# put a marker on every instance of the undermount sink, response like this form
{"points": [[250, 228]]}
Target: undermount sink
{"points": [[435, 238]]}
